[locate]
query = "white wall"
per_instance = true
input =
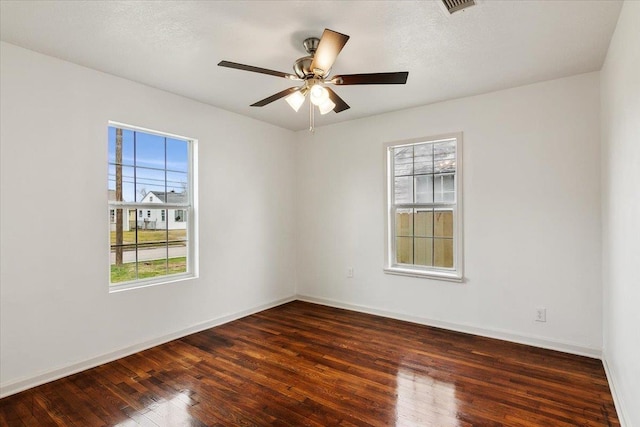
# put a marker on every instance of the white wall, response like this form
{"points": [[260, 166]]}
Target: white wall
{"points": [[531, 215], [620, 80], [55, 309]]}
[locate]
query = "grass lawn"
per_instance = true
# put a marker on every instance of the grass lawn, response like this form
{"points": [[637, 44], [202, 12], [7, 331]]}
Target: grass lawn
{"points": [[158, 267], [149, 236]]}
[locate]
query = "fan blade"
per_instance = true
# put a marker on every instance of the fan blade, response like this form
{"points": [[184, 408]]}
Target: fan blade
{"points": [[237, 66], [398, 78], [331, 43], [275, 97], [340, 104]]}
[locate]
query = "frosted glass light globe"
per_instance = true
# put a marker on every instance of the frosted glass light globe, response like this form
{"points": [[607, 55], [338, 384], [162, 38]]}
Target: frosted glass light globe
{"points": [[318, 94]]}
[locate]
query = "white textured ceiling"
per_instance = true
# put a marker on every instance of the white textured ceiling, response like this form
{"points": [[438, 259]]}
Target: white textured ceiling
{"points": [[176, 45]]}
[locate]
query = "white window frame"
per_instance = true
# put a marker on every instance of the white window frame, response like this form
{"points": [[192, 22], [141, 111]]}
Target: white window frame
{"points": [[455, 274], [191, 207]]}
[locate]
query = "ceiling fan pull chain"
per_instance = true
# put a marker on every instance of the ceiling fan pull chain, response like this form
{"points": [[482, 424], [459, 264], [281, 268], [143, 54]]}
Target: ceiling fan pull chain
{"points": [[311, 118]]}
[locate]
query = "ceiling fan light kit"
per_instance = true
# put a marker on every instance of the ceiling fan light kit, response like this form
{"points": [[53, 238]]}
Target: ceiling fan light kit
{"points": [[318, 94], [296, 99], [314, 71], [326, 106]]}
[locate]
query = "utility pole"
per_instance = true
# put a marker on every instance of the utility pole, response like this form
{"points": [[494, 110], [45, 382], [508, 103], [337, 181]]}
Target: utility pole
{"points": [[119, 212]]}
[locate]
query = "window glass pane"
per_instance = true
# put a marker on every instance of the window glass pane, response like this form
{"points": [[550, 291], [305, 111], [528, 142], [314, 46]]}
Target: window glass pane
{"points": [[403, 161], [150, 152], [151, 267], [127, 183], [128, 232], [125, 271], [443, 224], [178, 251], [149, 183], [444, 189], [403, 189], [151, 227], [177, 265], [423, 251], [178, 238], [177, 187], [404, 222], [177, 155], [448, 188], [122, 240], [443, 253], [404, 250], [152, 247], [444, 156], [424, 188], [162, 257], [423, 223], [423, 159]]}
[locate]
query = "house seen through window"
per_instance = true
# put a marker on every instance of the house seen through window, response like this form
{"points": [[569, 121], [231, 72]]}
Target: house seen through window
{"points": [[149, 184]]}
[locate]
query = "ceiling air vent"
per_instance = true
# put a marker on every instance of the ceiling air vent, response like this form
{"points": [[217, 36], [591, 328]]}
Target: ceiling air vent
{"points": [[456, 5]]}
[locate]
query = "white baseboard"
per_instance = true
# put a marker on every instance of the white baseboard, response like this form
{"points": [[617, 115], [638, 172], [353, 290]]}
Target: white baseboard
{"points": [[26, 383], [469, 329], [617, 398]]}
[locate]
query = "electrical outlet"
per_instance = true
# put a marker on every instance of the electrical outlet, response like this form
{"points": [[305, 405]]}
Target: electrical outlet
{"points": [[350, 272], [541, 314]]}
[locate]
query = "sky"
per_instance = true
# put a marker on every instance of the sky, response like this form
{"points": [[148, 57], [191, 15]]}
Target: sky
{"points": [[148, 170]]}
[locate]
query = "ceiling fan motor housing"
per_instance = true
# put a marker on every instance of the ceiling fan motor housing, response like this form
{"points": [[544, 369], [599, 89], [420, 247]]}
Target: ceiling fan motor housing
{"points": [[302, 67]]}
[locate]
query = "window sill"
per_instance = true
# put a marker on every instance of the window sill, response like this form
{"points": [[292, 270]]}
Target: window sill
{"points": [[423, 274], [127, 286]]}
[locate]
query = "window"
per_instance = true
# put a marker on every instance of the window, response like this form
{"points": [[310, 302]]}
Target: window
{"points": [[150, 250], [179, 216], [424, 208], [112, 215]]}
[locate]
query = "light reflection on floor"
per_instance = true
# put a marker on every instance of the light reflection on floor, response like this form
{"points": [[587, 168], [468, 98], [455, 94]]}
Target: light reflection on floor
{"points": [[423, 400], [172, 412]]}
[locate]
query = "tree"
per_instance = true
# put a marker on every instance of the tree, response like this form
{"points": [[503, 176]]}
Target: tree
{"points": [[119, 212], [143, 192]]}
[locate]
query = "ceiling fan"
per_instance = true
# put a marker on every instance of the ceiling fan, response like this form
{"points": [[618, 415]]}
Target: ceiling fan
{"points": [[313, 71]]}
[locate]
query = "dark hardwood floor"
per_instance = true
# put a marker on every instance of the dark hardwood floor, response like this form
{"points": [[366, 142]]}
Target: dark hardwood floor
{"points": [[305, 364]]}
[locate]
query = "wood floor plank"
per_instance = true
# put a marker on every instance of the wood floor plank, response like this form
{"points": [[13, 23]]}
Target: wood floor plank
{"points": [[303, 364]]}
